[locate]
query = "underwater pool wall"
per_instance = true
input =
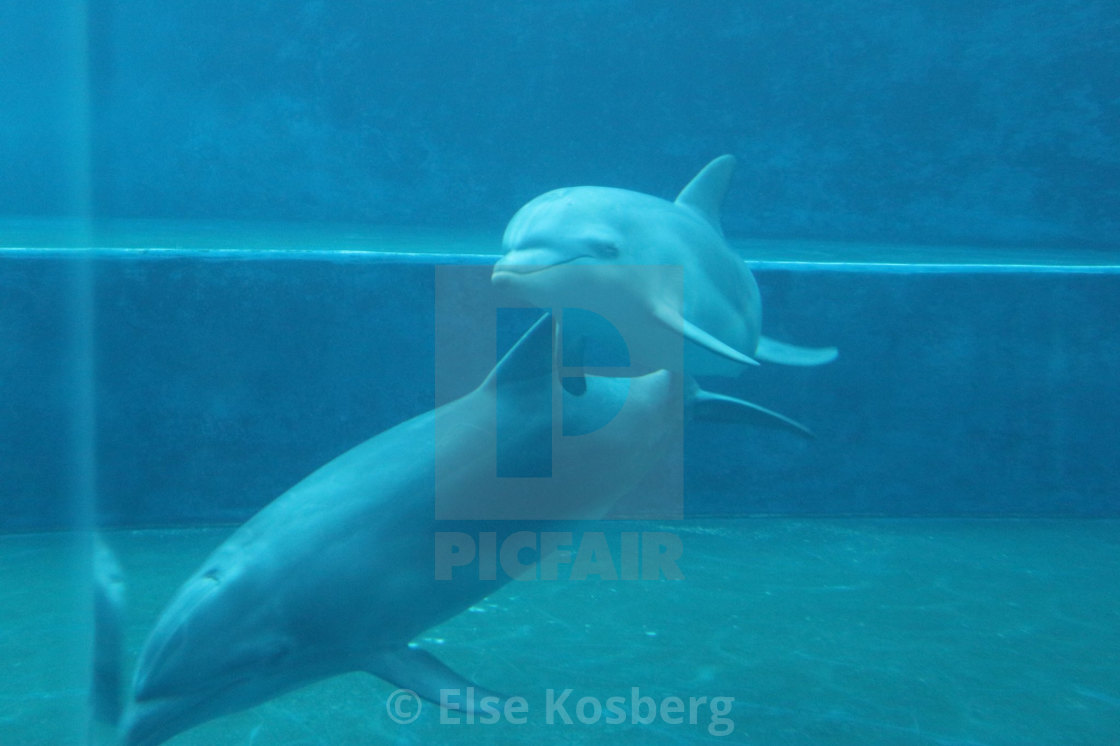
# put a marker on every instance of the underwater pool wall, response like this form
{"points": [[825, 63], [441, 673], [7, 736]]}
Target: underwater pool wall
{"points": [[224, 377]]}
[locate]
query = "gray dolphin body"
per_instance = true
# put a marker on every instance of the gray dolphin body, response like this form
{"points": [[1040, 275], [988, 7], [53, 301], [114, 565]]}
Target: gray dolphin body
{"points": [[582, 247], [337, 574]]}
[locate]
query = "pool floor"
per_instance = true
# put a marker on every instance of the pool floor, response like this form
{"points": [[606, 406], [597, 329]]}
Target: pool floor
{"points": [[838, 631]]}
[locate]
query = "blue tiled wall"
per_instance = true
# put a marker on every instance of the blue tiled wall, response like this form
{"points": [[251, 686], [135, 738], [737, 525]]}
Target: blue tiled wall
{"points": [[221, 380]]}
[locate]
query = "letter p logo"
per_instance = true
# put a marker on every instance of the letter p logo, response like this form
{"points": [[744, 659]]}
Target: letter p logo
{"points": [[564, 423]]}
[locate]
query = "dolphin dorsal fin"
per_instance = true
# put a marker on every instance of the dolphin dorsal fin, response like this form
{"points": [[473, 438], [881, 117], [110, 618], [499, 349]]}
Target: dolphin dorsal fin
{"points": [[530, 358], [705, 193]]}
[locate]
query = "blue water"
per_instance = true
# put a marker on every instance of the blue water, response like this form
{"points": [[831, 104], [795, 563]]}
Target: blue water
{"points": [[933, 187], [928, 122], [916, 632], [839, 631]]}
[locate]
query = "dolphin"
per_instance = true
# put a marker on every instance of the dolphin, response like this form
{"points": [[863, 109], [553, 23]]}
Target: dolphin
{"points": [[336, 575], [108, 637], [593, 247]]}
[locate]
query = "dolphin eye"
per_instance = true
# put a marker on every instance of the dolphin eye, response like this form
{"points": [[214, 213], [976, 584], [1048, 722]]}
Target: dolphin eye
{"points": [[605, 249], [271, 652]]}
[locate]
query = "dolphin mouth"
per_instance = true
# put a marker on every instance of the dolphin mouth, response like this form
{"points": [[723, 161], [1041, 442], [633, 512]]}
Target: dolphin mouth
{"points": [[153, 720], [538, 261]]}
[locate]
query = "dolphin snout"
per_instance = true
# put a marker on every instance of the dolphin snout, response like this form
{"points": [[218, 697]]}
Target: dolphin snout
{"points": [[530, 261], [152, 723]]}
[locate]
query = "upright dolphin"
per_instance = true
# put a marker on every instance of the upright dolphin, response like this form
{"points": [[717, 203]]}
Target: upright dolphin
{"points": [[337, 574], [577, 247], [108, 629]]}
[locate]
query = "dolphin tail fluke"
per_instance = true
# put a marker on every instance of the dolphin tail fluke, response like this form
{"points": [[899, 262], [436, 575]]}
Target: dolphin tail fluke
{"points": [[783, 353], [707, 406], [421, 672], [108, 635]]}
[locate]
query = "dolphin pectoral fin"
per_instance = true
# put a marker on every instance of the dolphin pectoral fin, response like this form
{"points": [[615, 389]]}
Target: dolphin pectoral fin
{"points": [[574, 385], [783, 353], [423, 673], [709, 407], [697, 336]]}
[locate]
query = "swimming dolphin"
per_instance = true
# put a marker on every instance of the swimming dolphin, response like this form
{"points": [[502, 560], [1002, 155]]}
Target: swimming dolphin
{"points": [[337, 575], [594, 248], [108, 638]]}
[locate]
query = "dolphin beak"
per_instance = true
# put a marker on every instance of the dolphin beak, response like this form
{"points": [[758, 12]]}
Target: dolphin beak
{"points": [[154, 722], [528, 261]]}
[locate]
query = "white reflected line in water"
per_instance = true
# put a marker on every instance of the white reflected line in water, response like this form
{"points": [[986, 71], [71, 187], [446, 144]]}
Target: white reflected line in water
{"points": [[937, 267], [436, 257], [323, 255]]}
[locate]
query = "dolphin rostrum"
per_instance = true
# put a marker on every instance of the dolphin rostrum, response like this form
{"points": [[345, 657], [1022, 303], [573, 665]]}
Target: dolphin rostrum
{"points": [[583, 247], [337, 575]]}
